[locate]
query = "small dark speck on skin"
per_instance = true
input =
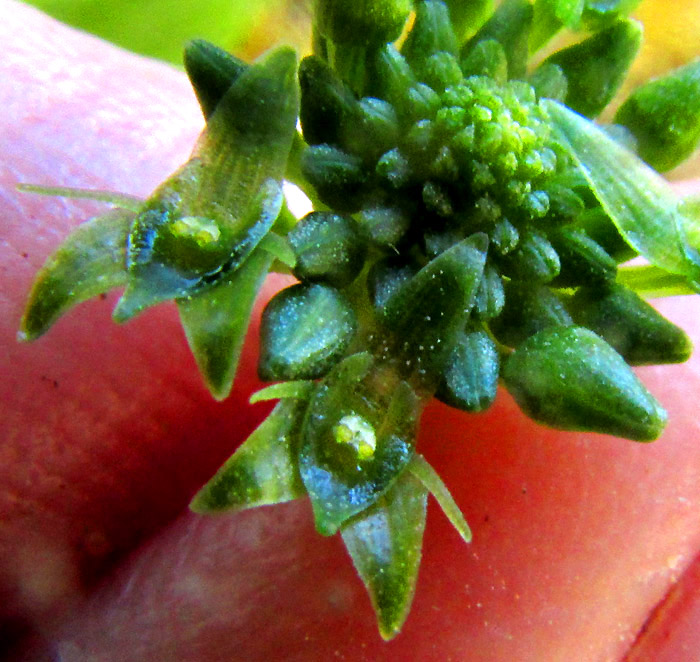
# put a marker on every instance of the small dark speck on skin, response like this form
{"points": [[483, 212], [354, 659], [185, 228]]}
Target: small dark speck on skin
{"points": [[523, 490], [103, 296], [25, 255], [487, 518], [44, 378]]}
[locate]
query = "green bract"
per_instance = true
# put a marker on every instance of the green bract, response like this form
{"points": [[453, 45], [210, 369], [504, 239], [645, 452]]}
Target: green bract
{"points": [[471, 220]]}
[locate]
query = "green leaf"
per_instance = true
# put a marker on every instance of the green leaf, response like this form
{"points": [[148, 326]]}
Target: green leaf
{"points": [[216, 319], [263, 470], [160, 28], [640, 203], [305, 329], [358, 435], [569, 378], [299, 389], [209, 216], [92, 260], [595, 68], [651, 282], [664, 117], [422, 470], [385, 545]]}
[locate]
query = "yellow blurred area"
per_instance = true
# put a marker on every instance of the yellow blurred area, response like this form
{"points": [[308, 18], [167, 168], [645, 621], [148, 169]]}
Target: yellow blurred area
{"points": [[672, 36], [285, 23], [671, 39]]}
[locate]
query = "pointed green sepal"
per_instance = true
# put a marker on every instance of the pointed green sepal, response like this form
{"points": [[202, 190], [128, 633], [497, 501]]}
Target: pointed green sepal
{"points": [[510, 26], [358, 435], [328, 247], [337, 176], [490, 297], [638, 201], [263, 471], [487, 58], [300, 389], [529, 309], [596, 67], [534, 259], [121, 200], [216, 319], [279, 248], [629, 324], [425, 473], [211, 71], [570, 378], [361, 23], [373, 130], [305, 329], [92, 260], [428, 311], [470, 377], [347, 33], [549, 81], [393, 75], [431, 33], [382, 225], [211, 214], [664, 117], [385, 543], [327, 104], [583, 261]]}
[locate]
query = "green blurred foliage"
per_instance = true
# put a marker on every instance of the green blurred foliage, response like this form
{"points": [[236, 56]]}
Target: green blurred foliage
{"points": [[160, 28]]}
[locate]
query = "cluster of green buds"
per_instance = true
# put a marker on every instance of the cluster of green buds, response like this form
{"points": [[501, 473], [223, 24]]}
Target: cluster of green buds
{"points": [[469, 219]]}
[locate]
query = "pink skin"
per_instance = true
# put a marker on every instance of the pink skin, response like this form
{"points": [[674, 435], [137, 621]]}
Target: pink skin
{"points": [[585, 547]]}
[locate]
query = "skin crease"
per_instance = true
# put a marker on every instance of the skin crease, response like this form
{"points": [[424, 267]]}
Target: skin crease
{"points": [[585, 546]]}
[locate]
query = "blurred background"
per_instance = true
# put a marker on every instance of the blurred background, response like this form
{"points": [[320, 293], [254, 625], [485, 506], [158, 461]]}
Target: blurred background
{"points": [[159, 28]]}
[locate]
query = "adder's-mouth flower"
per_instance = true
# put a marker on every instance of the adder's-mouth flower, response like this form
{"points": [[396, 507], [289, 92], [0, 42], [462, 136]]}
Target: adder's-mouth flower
{"points": [[471, 224]]}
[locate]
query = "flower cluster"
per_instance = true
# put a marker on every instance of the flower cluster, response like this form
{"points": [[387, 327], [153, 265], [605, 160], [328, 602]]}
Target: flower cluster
{"points": [[470, 219]]}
